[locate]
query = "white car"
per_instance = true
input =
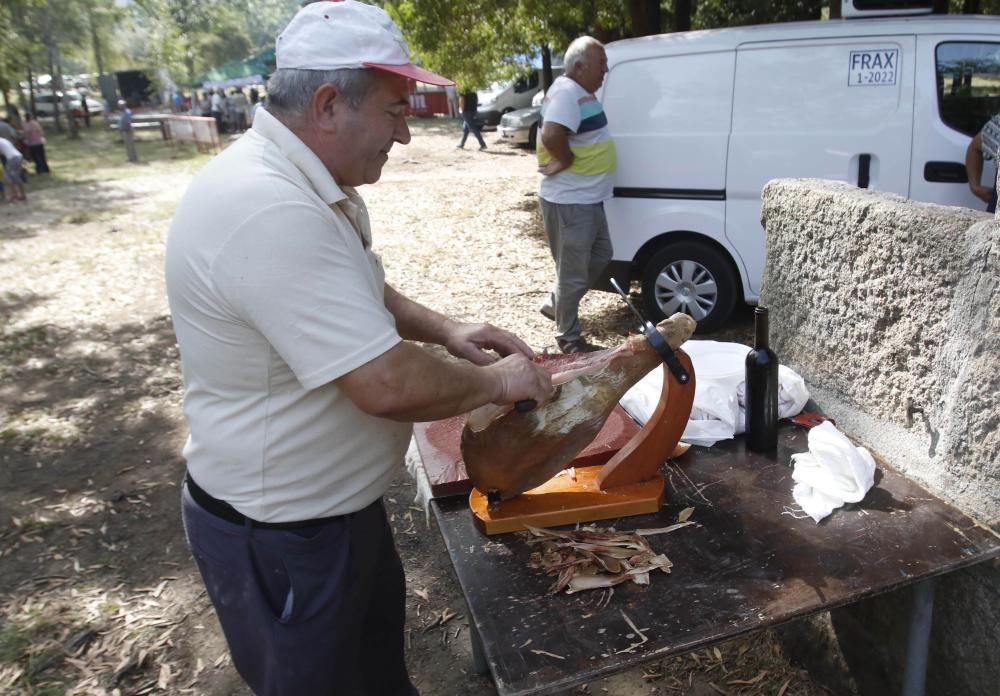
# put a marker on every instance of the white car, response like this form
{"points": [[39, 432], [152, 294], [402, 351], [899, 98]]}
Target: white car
{"points": [[702, 120], [521, 127], [68, 101]]}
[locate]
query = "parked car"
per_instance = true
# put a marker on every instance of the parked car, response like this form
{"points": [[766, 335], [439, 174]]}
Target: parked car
{"points": [[68, 101], [503, 97], [520, 127], [703, 120]]}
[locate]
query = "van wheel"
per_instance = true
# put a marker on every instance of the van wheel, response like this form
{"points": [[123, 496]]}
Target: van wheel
{"points": [[533, 136], [692, 278]]}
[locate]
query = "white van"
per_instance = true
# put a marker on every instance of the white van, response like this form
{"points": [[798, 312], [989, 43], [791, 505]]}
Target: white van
{"points": [[702, 120], [503, 97]]}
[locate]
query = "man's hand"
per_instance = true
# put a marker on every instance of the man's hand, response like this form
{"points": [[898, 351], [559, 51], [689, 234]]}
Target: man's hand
{"points": [[519, 378], [555, 138], [471, 341], [553, 167]]}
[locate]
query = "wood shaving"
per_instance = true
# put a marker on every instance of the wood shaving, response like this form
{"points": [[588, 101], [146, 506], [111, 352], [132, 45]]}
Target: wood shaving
{"points": [[593, 558]]}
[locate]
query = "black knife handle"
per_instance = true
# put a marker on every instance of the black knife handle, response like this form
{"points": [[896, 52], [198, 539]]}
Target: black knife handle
{"points": [[525, 405]]}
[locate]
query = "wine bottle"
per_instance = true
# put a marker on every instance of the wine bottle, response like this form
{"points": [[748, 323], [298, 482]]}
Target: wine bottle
{"points": [[761, 389]]}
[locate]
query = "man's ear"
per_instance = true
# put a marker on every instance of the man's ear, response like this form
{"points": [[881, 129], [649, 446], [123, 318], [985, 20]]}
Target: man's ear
{"points": [[326, 103]]}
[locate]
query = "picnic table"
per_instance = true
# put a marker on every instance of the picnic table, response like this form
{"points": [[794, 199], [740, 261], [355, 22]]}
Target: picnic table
{"points": [[750, 563]]}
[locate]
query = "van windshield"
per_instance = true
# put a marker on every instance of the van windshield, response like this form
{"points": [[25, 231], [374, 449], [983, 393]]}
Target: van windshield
{"points": [[968, 84]]}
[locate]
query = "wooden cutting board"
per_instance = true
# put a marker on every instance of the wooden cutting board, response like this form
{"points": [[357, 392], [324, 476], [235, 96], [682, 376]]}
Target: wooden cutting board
{"points": [[439, 445]]}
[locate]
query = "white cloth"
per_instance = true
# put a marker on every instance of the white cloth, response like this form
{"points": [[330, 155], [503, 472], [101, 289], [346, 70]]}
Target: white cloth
{"points": [[563, 106], [831, 473], [274, 293], [719, 410]]}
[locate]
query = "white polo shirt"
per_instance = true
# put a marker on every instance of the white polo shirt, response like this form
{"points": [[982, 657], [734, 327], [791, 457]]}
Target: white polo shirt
{"points": [[275, 292]]}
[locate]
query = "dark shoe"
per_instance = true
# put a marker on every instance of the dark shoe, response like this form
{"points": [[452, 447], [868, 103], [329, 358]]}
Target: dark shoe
{"points": [[482, 147], [577, 346], [460, 147], [546, 309]]}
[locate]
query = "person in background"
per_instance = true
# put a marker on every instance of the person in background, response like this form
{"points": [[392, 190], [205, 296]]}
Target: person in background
{"points": [[261, 103], [451, 94], [12, 175], [983, 146], [304, 370], [576, 159], [240, 109], [217, 105], [85, 108], [34, 138], [469, 104], [8, 131], [125, 128], [13, 116]]}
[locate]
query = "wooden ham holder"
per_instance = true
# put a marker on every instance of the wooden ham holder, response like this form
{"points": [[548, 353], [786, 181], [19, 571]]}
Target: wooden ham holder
{"points": [[628, 484]]}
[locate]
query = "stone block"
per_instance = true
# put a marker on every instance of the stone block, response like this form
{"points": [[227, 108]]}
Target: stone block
{"points": [[890, 310]]}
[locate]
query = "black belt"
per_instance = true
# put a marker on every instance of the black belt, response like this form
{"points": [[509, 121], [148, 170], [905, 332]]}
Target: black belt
{"points": [[227, 512]]}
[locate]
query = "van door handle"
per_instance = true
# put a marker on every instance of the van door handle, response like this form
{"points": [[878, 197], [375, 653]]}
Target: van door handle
{"points": [[864, 170], [946, 172]]}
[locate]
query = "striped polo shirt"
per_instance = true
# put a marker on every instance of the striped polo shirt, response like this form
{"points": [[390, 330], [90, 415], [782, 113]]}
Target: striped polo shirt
{"points": [[589, 178]]}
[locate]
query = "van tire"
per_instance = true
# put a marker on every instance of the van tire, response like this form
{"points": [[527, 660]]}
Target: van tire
{"points": [[533, 136], [672, 277]]}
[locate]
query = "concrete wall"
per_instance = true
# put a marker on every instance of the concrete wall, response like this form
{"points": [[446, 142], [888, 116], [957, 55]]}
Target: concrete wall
{"points": [[890, 310]]}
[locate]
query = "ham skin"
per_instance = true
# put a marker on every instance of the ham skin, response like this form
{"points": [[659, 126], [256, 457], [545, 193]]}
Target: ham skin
{"points": [[507, 452]]}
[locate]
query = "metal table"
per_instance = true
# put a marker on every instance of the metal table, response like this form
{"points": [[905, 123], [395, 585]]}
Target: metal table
{"points": [[748, 565]]}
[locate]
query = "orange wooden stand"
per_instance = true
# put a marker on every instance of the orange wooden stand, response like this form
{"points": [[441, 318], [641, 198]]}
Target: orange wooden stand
{"points": [[629, 484]]}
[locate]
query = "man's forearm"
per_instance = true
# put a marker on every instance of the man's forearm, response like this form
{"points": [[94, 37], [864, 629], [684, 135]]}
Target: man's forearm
{"points": [[414, 321], [555, 138], [408, 383]]}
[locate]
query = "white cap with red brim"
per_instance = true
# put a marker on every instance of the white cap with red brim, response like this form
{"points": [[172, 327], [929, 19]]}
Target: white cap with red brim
{"points": [[347, 34]]}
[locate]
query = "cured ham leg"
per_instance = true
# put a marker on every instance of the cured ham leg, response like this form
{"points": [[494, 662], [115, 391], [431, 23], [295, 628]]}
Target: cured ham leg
{"points": [[507, 453]]}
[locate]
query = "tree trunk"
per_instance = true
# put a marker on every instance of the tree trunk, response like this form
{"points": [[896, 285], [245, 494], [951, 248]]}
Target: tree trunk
{"points": [[31, 89], [97, 45], [971, 7], [682, 15], [835, 7], [56, 83], [645, 16], [546, 67], [940, 7]]}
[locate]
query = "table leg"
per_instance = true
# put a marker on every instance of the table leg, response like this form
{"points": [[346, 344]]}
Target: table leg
{"points": [[479, 664], [921, 616]]}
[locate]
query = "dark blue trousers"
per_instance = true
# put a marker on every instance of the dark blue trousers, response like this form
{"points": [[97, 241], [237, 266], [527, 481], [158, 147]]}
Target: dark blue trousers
{"points": [[469, 125], [315, 611]]}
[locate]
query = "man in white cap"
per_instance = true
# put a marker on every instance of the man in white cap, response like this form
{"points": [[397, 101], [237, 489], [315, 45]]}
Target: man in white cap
{"points": [[301, 374]]}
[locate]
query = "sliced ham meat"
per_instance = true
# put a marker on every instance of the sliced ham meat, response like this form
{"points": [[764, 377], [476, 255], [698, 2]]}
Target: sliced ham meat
{"points": [[507, 452]]}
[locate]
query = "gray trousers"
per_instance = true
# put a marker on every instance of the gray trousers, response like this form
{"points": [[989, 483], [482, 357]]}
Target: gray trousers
{"points": [[128, 137], [581, 247]]}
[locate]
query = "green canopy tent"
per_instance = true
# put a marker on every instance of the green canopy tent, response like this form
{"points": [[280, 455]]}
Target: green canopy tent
{"points": [[239, 73]]}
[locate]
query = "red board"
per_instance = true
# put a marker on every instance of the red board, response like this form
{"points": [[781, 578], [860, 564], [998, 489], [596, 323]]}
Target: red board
{"points": [[439, 445]]}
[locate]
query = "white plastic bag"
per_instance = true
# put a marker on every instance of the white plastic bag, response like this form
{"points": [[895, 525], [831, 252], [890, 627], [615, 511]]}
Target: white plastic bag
{"points": [[718, 412]]}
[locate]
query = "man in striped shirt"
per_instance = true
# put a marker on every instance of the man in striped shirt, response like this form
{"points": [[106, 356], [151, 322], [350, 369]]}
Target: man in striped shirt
{"points": [[576, 158], [983, 146]]}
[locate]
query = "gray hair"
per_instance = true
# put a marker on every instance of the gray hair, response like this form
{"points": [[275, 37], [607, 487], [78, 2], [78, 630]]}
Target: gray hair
{"points": [[576, 53], [289, 90]]}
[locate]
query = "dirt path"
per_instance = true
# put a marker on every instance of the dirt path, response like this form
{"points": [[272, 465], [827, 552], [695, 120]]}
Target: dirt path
{"points": [[97, 592]]}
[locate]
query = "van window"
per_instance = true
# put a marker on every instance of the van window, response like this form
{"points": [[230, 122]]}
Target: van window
{"points": [[968, 84], [523, 84]]}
